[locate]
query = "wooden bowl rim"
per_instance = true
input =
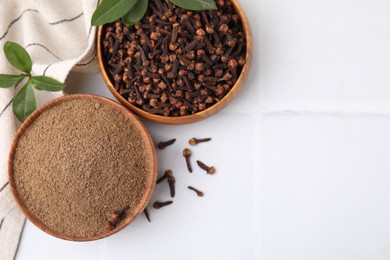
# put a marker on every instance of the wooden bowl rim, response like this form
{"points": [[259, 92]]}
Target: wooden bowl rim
{"points": [[199, 115], [150, 149]]}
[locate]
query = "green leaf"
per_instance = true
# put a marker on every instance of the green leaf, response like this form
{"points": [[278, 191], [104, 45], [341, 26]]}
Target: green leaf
{"points": [[136, 13], [195, 4], [7, 81], [47, 83], [111, 10], [18, 56], [24, 102]]}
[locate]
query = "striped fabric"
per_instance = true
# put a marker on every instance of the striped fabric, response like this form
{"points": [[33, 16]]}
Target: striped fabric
{"points": [[59, 38]]}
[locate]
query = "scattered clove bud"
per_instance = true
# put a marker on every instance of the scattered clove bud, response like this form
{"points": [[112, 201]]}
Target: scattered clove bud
{"points": [[158, 204], [187, 154], [165, 175], [115, 218], [194, 141], [147, 214], [109, 226], [198, 192], [163, 145], [171, 182], [209, 170]]}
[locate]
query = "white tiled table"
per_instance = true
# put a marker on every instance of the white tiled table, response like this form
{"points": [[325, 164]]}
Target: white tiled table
{"points": [[302, 154]]}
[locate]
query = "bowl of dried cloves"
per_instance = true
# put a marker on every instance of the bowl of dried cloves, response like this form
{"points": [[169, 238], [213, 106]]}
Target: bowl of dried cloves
{"points": [[177, 66]]}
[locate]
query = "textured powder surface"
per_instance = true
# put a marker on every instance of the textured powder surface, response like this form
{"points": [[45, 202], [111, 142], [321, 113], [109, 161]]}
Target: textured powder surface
{"points": [[78, 163]]}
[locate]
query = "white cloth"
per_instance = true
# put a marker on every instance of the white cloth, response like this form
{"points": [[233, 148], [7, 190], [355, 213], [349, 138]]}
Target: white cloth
{"points": [[59, 37]]}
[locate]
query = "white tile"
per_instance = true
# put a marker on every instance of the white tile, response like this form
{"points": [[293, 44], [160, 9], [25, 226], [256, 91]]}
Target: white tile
{"points": [[320, 54], [324, 187]]}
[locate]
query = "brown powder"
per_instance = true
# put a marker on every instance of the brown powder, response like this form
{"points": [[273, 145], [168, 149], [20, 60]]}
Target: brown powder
{"points": [[79, 162]]}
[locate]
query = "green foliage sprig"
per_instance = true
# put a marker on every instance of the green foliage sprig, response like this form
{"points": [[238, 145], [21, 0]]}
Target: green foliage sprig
{"points": [[24, 101], [132, 11]]}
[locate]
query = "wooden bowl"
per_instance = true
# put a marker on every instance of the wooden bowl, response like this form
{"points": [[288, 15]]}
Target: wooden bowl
{"points": [[150, 150], [199, 115]]}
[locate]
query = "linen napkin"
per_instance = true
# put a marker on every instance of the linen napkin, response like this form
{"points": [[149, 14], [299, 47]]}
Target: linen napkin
{"points": [[59, 37]]}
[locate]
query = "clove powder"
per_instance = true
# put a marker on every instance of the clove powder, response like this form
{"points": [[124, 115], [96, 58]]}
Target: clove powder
{"points": [[79, 162]]}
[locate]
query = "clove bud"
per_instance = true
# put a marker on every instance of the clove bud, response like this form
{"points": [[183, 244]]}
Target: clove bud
{"points": [[194, 141]]}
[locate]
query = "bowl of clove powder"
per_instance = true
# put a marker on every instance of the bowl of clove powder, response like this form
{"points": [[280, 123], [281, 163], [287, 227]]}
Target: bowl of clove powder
{"points": [[177, 66], [82, 167]]}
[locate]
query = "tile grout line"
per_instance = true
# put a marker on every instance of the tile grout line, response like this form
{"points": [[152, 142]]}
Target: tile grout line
{"points": [[325, 113]]}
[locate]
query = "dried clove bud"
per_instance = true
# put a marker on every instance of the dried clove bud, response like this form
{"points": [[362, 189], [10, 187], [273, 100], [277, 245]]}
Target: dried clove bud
{"points": [[187, 154], [171, 182], [166, 174], [198, 192], [194, 141], [158, 204], [209, 170], [147, 214], [163, 145], [109, 226], [116, 217]]}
